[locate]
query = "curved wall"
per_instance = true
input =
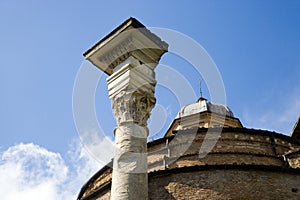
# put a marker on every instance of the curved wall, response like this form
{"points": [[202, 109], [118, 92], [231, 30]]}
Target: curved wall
{"points": [[226, 184], [243, 163]]}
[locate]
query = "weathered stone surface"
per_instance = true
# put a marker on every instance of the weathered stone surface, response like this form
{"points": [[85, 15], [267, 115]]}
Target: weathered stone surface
{"points": [[252, 160], [133, 107], [225, 184], [293, 158], [131, 89], [129, 55], [133, 99], [222, 184], [131, 38]]}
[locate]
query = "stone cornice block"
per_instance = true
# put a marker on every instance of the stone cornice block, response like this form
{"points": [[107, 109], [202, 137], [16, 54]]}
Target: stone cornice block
{"points": [[131, 38]]}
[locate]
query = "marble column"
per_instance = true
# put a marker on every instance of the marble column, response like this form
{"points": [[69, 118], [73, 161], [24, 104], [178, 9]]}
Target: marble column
{"points": [[129, 55], [132, 104]]}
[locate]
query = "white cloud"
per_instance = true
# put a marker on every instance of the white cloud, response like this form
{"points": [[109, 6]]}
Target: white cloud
{"points": [[98, 145], [281, 119], [28, 171]]}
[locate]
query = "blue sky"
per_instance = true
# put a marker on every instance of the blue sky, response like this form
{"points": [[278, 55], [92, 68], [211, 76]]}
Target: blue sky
{"points": [[255, 44]]}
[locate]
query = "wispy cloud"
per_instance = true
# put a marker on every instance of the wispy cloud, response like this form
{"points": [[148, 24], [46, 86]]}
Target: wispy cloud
{"points": [[29, 172], [282, 119]]}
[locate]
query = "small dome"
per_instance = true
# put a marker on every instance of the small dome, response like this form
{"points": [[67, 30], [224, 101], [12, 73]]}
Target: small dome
{"points": [[203, 105]]}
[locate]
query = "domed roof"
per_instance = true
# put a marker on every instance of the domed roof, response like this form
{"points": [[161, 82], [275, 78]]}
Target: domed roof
{"points": [[203, 105]]}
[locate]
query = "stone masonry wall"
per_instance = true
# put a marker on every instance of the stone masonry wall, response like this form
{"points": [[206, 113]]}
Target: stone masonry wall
{"points": [[222, 184], [225, 184], [234, 147]]}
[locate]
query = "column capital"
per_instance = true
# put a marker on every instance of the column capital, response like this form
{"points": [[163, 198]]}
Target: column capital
{"points": [[131, 88], [133, 107]]}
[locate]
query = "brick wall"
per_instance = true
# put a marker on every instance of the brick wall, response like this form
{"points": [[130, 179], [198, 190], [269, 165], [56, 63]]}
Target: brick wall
{"points": [[239, 148], [222, 184], [225, 184]]}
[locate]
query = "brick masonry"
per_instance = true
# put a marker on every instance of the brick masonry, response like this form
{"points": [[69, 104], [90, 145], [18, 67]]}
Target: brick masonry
{"points": [[225, 184], [244, 164]]}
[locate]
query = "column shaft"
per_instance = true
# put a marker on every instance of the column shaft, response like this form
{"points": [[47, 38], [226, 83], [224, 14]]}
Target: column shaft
{"points": [[130, 180]]}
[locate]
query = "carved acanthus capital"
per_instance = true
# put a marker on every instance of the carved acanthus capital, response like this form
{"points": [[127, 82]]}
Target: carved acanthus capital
{"points": [[134, 107]]}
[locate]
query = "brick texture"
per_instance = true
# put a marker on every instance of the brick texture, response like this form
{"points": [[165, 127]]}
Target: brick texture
{"points": [[171, 159]]}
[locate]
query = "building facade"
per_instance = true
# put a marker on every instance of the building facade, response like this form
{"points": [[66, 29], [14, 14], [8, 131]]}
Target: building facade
{"points": [[243, 164], [205, 154]]}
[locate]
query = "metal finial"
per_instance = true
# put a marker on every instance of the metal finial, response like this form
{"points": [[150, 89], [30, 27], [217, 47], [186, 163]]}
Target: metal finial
{"points": [[201, 87]]}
